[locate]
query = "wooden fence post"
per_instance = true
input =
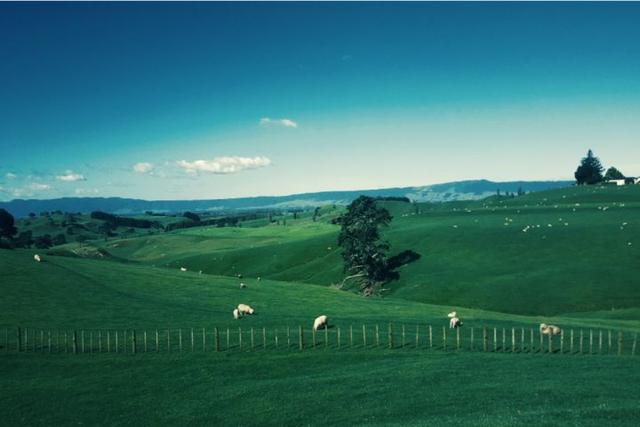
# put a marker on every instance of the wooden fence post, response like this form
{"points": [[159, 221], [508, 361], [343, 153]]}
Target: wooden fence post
{"points": [[264, 338], [49, 340], [193, 342], [133, 342], [571, 343], [495, 340], [600, 341], [338, 336], [228, 339], [364, 336], [590, 341], [581, 340], [216, 339], [90, 341], [75, 342], [288, 339], [561, 341], [251, 335], [457, 338], [180, 340], [633, 347], [609, 343], [313, 337], [157, 341], [81, 338], [108, 340], [430, 338], [300, 338], [619, 343], [204, 341], [471, 344], [240, 337], [145, 341], [417, 335], [351, 336], [504, 339], [521, 340], [531, 350], [484, 338], [444, 338], [513, 340], [377, 336], [390, 336], [403, 335], [100, 341]]}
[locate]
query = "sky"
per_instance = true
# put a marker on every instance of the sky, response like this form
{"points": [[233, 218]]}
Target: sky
{"points": [[217, 100]]}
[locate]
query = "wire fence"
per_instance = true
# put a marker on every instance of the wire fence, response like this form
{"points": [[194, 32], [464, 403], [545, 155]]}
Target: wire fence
{"points": [[363, 337]]}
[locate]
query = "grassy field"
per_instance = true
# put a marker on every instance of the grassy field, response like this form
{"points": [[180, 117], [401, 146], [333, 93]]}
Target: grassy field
{"points": [[494, 275], [578, 254]]}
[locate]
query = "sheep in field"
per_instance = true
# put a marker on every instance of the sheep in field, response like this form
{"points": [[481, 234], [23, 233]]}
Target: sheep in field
{"points": [[454, 323], [236, 314], [245, 309], [242, 286], [183, 269], [549, 329], [452, 314], [320, 322], [37, 258]]}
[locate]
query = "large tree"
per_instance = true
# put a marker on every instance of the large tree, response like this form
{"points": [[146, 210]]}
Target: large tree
{"points": [[363, 250], [7, 227], [613, 173], [589, 171]]}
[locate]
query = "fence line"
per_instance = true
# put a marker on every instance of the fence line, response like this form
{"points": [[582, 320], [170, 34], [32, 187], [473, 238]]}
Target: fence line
{"points": [[417, 337]]}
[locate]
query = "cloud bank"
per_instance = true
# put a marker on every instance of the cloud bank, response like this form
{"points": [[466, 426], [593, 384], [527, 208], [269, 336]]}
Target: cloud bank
{"points": [[69, 176], [287, 123], [224, 165], [142, 167]]}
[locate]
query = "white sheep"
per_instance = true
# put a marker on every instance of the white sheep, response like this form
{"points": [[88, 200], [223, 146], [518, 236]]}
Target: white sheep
{"points": [[183, 269], [320, 322], [236, 313], [452, 314], [549, 329], [245, 309], [242, 286], [37, 258], [454, 323]]}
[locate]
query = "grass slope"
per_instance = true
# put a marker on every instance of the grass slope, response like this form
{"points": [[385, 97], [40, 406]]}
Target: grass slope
{"points": [[579, 252]]}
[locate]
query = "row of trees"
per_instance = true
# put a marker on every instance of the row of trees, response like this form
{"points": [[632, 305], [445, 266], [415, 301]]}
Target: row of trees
{"points": [[590, 170]]}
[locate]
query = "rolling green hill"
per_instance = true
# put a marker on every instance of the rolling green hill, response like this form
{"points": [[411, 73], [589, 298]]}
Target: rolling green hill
{"points": [[552, 252]]}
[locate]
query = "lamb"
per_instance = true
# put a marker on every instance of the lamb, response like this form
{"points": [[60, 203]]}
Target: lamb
{"points": [[236, 314], [245, 309], [37, 258], [454, 323], [183, 269], [242, 286], [320, 322], [549, 329]]}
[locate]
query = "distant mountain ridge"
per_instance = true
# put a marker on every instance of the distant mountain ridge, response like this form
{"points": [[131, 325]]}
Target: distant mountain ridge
{"points": [[450, 191]]}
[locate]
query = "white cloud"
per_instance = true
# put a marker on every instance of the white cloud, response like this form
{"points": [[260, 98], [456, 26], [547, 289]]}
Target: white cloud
{"points": [[224, 165], [142, 167], [83, 191], [10, 175], [288, 123], [69, 176], [39, 187]]}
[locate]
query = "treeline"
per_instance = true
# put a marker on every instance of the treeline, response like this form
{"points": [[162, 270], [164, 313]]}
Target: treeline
{"points": [[121, 221], [393, 199], [227, 221]]}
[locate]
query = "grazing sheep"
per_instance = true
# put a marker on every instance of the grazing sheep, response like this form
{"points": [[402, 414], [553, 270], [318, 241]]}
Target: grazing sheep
{"points": [[320, 322], [454, 323], [37, 258], [245, 309], [549, 329], [452, 314], [183, 269], [242, 286], [236, 314]]}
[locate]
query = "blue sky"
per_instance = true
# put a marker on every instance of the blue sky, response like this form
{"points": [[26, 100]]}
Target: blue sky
{"points": [[182, 101]]}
